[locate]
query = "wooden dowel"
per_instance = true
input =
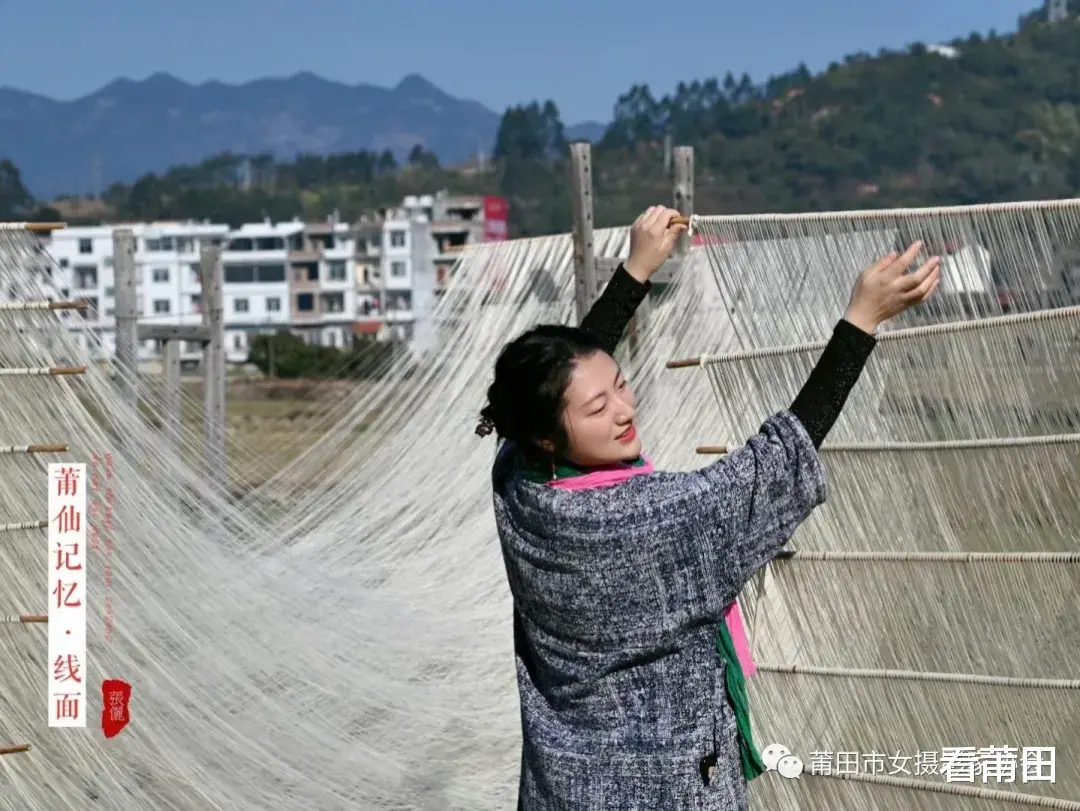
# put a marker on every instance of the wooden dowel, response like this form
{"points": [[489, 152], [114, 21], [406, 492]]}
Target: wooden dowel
{"points": [[28, 618], [18, 526], [714, 449], [43, 371], [44, 227], [683, 364], [680, 220], [43, 305], [56, 447], [14, 750]]}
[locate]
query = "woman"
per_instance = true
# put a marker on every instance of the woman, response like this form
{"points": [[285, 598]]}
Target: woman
{"points": [[621, 574]]}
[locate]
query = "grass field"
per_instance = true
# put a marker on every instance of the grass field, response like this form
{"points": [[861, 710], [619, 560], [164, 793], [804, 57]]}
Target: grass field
{"points": [[264, 420]]}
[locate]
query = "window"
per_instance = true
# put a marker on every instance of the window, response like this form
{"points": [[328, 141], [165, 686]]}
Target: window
{"points": [[305, 302], [161, 275], [273, 305], [331, 339], [239, 274], [334, 303], [399, 302], [397, 269], [270, 273], [337, 271], [110, 292], [185, 244], [195, 278], [397, 239], [238, 340], [86, 246], [247, 274], [85, 277], [64, 262], [166, 243], [196, 303], [153, 245], [240, 305], [161, 306]]}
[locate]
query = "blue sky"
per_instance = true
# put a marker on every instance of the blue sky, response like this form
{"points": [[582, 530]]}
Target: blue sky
{"points": [[580, 53]]}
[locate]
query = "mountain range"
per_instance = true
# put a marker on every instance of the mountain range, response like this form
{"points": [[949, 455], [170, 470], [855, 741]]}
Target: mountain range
{"points": [[129, 128]]}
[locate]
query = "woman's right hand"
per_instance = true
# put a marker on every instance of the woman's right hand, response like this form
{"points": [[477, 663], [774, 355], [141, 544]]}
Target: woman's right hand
{"points": [[886, 289]]}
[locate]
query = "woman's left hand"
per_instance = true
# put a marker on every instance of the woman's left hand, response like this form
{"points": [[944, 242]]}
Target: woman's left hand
{"points": [[652, 238]]}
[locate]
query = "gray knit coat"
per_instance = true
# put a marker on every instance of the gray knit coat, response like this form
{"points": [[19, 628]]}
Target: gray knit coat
{"points": [[618, 593]]}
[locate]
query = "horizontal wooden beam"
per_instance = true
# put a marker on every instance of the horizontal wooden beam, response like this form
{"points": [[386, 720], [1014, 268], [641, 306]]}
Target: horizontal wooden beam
{"points": [[197, 333], [605, 269]]}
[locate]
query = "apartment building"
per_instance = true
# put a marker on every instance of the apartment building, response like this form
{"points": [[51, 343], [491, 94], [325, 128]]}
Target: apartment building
{"points": [[166, 263], [368, 239], [328, 282], [447, 224], [292, 276]]}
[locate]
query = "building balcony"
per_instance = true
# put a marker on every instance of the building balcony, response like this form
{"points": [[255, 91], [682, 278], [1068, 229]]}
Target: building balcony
{"points": [[304, 278], [398, 316], [309, 254], [306, 317]]}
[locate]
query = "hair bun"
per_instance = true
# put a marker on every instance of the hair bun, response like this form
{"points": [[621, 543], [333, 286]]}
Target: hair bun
{"points": [[486, 424]]}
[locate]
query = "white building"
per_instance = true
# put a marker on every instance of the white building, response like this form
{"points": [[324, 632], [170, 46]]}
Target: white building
{"points": [[255, 290], [166, 263], [328, 282], [451, 224]]}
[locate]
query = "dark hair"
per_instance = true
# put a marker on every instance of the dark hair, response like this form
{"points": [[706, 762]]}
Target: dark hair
{"points": [[531, 376]]}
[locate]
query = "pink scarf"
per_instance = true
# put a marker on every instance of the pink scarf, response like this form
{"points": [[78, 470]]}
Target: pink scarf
{"points": [[614, 474]]}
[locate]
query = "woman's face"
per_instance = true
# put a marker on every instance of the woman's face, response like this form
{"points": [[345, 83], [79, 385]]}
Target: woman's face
{"points": [[599, 414]]}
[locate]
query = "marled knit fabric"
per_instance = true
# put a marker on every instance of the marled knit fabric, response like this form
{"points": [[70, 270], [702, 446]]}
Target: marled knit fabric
{"points": [[618, 593]]}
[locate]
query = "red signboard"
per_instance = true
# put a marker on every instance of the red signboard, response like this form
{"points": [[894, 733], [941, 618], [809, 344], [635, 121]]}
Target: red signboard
{"points": [[496, 214]]}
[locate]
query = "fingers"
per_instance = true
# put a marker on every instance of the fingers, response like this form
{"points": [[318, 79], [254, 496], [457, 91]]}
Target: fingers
{"points": [[884, 261], [920, 292], [651, 217], [644, 217], [672, 234], [901, 264], [909, 281]]}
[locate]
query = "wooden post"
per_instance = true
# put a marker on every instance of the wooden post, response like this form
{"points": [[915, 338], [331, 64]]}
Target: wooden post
{"points": [[684, 190], [584, 251], [172, 397], [210, 272], [125, 280]]}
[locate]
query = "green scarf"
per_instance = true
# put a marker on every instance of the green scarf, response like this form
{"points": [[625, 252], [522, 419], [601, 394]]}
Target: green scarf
{"points": [[735, 686], [561, 470], [734, 680]]}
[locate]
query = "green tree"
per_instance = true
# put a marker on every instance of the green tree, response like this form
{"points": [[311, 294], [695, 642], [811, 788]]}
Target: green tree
{"points": [[15, 199], [287, 356]]}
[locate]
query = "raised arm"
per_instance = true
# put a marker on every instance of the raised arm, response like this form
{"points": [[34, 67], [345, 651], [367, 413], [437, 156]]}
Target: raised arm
{"points": [[746, 506], [610, 314], [652, 238]]}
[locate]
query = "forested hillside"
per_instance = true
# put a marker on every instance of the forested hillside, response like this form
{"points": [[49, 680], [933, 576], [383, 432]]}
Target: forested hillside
{"points": [[987, 118]]}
